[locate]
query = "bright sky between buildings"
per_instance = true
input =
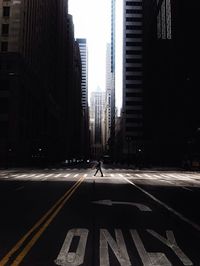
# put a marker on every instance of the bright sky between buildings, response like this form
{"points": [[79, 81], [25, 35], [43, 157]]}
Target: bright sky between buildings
{"points": [[92, 20]]}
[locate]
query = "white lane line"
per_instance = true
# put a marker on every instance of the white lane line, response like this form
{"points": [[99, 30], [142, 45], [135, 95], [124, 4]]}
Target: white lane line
{"points": [[176, 213], [175, 178], [76, 175], [112, 175], [85, 175], [66, 175]]}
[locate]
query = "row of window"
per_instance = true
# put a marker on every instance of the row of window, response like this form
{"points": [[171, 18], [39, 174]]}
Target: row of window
{"points": [[133, 35], [133, 103], [133, 77], [133, 120], [131, 112], [133, 27], [132, 86], [133, 52], [133, 11], [129, 3], [133, 94], [128, 69], [133, 19], [133, 60]]}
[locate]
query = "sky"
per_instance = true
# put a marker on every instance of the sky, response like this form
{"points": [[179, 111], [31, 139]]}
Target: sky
{"points": [[92, 20]]}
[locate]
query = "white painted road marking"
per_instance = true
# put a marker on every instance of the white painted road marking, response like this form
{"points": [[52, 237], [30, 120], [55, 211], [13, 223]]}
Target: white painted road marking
{"points": [[141, 207], [171, 243], [182, 217], [118, 247], [148, 259], [67, 258]]}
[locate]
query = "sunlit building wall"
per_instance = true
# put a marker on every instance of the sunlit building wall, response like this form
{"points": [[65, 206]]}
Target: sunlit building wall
{"points": [[113, 69], [97, 107], [108, 95]]}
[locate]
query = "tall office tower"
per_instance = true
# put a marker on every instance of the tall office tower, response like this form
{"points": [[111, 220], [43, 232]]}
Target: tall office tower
{"points": [[74, 110], [171, 95], [97, 107], [34, 79], [132, 77], [109, 83], [84, 61], [113, 33], [84, 87]]}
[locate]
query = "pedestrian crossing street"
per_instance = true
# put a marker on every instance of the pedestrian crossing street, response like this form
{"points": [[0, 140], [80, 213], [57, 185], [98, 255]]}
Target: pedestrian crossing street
{"points": [[171, 178]]}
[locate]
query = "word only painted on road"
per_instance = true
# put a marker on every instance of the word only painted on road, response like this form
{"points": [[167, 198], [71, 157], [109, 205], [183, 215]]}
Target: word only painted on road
{"points": [[117, 245]]}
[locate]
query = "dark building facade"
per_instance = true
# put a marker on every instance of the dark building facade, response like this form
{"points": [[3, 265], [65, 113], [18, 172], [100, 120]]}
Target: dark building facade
{"points": [[133, 105], [34, 78], [171, 95]]}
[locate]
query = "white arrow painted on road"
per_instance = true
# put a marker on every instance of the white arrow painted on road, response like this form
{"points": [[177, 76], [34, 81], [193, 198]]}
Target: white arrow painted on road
{"points": [[141, 207]]}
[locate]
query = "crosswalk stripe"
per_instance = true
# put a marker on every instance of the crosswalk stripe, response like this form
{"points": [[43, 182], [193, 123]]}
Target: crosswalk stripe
{"points": [[39, 175], [57, 175], [48, 175]]}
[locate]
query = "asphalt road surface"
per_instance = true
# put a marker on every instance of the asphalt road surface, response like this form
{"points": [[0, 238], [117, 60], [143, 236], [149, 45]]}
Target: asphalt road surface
{"points": [[128, 217]]}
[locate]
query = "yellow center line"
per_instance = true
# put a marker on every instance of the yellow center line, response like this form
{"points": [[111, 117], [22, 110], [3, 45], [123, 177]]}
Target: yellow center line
{"points": [[57, 207]]}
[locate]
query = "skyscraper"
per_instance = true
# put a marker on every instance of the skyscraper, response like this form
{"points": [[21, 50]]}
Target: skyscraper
{"points": [[109, 86], [112, 80], [97, 107], [84, 89], [84, 62], [34, 80], [132, 76]]}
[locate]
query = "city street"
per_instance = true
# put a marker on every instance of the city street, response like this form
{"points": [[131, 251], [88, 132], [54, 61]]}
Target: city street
{"points": [[66, 216]]}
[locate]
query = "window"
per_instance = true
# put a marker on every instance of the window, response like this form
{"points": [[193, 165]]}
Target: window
{"points": [[130, 112], [5, 29], [130, 52], [6, 11], [4, 46], [133, 94]]}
